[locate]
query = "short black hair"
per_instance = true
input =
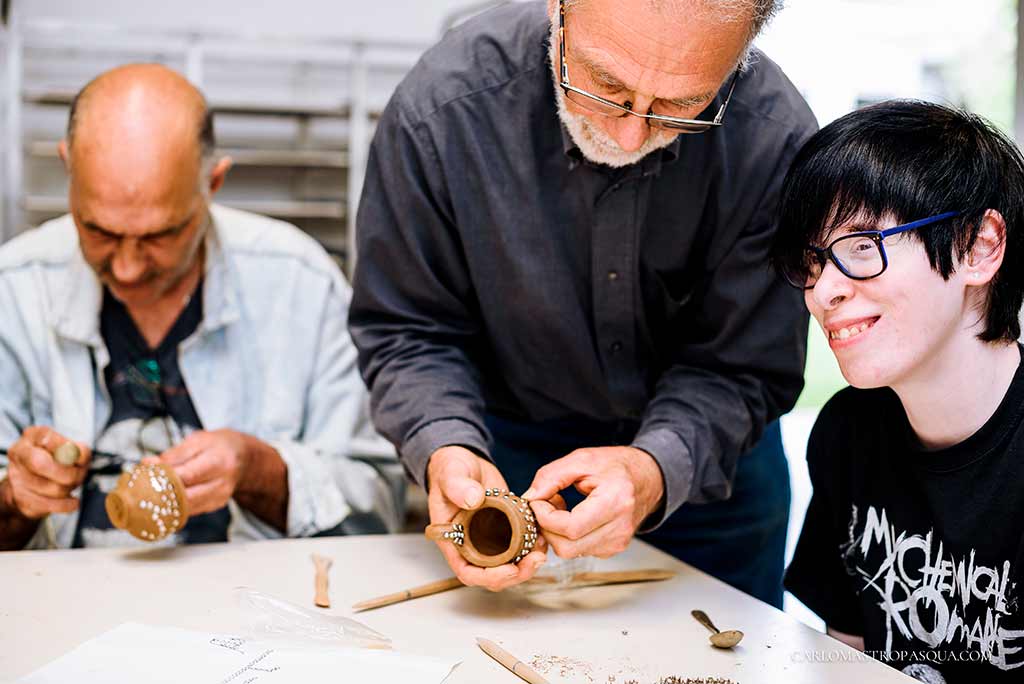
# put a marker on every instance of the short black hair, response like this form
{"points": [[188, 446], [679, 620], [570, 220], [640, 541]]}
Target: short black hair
{"points": [[910, 160]]}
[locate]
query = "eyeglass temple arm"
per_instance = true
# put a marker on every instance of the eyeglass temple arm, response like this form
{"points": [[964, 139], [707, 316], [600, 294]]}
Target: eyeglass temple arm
{"points": [[563, 69], [728, 96], [918, 224]]}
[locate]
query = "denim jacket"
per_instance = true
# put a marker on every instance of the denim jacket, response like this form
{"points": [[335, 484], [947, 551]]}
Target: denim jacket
{"points": [[272, 358]]}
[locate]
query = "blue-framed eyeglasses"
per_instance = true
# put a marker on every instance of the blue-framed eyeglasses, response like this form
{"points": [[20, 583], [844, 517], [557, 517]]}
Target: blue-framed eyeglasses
{"points": [[860, 255]]}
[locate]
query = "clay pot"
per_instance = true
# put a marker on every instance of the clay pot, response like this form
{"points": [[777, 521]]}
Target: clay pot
{"points": [[149, 502], [502, 530]]}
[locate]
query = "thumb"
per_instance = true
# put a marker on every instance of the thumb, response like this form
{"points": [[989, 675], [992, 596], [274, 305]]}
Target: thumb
{"points": [[460, 487], [556, 476], [48, 438]]}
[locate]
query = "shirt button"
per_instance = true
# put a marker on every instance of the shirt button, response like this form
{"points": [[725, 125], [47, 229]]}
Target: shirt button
{"points": [[616, 347], [613, 275]]}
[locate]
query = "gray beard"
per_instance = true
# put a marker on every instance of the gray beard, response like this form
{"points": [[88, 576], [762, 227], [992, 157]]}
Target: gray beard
{"points": [[594, 144]]}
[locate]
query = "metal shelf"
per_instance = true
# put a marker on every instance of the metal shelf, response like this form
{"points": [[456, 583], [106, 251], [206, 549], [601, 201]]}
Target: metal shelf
{"points": [[241, 156], [340, 111], [318, 209], [278, 139]]}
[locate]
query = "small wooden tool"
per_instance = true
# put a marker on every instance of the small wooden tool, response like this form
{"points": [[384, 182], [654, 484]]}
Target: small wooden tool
{"points": [[67, 454], [590, 579], [580, 579], [514, 665], [323, 564], [416, 592]]}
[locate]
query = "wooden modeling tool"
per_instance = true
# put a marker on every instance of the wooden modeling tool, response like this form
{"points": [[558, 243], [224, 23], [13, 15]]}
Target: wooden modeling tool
{"points": [[322, 564], [416, 592], [67, 454], [591, 579], [580, 579], [514, 665]]}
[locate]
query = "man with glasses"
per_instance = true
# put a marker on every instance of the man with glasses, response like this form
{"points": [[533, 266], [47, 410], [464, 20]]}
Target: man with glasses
{"points": [[562, 281], [901, 223], [149, 322]]}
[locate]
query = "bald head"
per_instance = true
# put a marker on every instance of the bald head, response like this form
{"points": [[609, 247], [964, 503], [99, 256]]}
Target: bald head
{"points": [[143, 96], [140, 133], [137, 152]]}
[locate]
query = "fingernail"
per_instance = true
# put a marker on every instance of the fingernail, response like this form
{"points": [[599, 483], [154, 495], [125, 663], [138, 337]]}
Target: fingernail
{"points": [[529, 493]]}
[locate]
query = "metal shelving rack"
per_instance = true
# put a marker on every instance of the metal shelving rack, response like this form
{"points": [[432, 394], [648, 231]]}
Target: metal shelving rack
{"points": [[296, 115]]}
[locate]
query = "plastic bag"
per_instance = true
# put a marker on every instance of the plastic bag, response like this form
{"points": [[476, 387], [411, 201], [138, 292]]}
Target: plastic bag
{"points": [[272, 618]]}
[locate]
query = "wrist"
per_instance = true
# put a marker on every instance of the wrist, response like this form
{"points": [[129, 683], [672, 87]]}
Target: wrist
{"points": [[16, 529], [256, 459], [248, 456], [262, 487], [650, 481], [7, 506]]}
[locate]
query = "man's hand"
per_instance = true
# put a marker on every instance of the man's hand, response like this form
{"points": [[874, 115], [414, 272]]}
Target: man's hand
{"points": [[36, 484], [217, 465], [457, 479], [622, 486]]}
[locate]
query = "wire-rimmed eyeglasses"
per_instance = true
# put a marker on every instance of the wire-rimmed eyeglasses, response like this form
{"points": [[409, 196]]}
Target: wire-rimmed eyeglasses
{"points": [[860, 255], [605, 107]]}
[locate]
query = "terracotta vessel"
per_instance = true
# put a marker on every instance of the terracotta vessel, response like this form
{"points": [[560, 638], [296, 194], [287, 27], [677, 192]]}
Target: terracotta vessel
{"points": [[502, 530], [149, 502]]}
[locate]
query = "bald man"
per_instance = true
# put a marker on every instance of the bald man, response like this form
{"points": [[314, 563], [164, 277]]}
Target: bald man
{"points": [[150, 323]]}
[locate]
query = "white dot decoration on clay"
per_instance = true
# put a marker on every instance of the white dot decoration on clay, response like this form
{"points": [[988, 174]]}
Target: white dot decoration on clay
{"points": [[149, 502]]}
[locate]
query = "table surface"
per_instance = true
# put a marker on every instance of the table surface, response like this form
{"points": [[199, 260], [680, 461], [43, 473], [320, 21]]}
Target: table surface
{"points": [[54, 600]]}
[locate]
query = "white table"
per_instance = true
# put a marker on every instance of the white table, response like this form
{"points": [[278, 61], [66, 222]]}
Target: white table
{"points": [[51, 601]]}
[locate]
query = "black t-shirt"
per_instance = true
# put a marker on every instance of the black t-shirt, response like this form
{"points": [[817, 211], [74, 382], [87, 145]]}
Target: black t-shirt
{"points": [[151, 410], [920, 552]]}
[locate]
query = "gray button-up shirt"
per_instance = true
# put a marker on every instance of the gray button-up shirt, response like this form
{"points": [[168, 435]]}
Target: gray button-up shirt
{"points": [[499, 271]]}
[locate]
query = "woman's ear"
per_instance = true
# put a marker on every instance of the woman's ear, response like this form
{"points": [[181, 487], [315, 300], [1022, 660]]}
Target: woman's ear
{"points": [[983, 260]]}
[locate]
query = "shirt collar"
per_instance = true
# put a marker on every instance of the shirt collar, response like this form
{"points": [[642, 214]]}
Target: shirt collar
{"points": [[79, 319], [220, 288]]}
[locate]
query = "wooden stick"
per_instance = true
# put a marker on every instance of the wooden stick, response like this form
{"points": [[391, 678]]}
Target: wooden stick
{"points": [[584, 579], [416, 592], [321, 599], [104, 454], [609, 577], [514, 665], [621, 576]]}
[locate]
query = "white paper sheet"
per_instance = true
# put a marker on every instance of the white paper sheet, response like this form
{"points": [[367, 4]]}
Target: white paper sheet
{"points": [[133, 653]]}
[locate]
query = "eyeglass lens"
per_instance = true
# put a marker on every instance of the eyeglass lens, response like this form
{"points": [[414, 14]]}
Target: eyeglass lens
{"points": [[600, 107], [857, 256]]}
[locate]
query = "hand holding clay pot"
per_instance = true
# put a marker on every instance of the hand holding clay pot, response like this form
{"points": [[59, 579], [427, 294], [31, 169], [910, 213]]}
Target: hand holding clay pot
{"points": [[502, 530], [149, 502]]}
